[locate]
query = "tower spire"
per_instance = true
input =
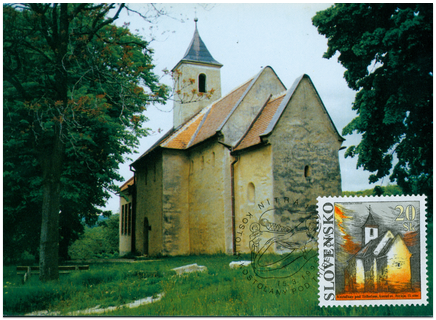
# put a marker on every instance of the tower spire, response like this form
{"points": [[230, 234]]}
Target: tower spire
{"points": [[202, 71], [197, 51], [370, 228]]}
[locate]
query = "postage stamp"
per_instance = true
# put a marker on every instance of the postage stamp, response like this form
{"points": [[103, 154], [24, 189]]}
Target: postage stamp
{"points": [[372, 251]]}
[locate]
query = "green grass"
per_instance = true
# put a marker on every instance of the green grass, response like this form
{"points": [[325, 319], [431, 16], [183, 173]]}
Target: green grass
{"points": [[220, 291], [104, 285], [227, 292]]}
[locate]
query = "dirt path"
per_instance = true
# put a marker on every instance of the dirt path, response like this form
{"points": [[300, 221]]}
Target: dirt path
{"points": [[98, 310]]}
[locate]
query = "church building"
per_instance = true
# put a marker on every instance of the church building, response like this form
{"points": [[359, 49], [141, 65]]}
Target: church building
{"points": [[225, 155], [383, 263]]}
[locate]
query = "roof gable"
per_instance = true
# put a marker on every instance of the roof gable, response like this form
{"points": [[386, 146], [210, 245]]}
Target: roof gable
{"points": [[246, 110], [285, 102], [128, 183], [377, 247], [269, 116]]}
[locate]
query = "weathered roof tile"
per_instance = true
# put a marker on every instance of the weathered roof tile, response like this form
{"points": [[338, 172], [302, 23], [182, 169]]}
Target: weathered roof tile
{"points": [[182, 137], [220, 110], [266, 114]]}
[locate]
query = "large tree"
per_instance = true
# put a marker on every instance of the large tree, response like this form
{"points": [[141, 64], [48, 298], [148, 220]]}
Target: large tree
{"points": [[75, 88], [387, 51]]}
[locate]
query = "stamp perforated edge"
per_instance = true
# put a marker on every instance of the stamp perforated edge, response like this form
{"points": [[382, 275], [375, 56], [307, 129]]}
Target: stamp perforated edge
{"points": [[423, 252]]}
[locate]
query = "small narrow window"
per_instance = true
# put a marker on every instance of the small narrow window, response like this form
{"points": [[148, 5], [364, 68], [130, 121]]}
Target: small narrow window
{"points": [[213, 159], [202, 162], [251, 193], [202, 83], [307, 171], [122, 219], [126, 210], [371, 232], [129, 220]]}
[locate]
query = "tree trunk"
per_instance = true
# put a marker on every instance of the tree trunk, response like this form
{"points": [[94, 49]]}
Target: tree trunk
{"points": [[51, 164]]}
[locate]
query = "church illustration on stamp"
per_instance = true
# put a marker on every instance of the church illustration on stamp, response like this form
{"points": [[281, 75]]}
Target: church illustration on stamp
{"points": [[372, 251]]}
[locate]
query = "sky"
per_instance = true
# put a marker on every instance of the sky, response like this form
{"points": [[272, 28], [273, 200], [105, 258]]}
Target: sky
{"points": [[245, 37]]}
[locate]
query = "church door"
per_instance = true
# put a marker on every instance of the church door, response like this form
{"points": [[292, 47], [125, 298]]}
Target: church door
{"points": [[147, 228]]}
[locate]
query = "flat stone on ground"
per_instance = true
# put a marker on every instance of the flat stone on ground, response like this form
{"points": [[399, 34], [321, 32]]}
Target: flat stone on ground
{"points": [[189, 268], [236, 264]]}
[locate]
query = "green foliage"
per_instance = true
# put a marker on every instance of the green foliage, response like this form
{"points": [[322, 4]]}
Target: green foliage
{"points": [[391, 190], [387, 51], [74, 91], [97, 242]]}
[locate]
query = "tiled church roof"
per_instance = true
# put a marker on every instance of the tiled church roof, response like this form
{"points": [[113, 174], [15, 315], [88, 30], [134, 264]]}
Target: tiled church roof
{"points": [[205, 123], [259, 125], [219, 112], [210, 120]]}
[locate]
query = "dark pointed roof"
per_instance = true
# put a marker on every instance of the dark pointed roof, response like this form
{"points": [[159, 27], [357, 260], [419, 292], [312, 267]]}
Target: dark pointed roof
{"points": [[370, 222], [197, 51]]}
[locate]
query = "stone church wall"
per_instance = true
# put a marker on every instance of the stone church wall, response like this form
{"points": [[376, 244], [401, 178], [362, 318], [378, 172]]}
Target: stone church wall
{"points": [[305, 161], [209, 199], [125, 242], [149, 204], [253, 185], [175, 220]]}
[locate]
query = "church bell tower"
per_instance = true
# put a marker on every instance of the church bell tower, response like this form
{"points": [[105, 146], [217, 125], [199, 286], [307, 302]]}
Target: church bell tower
{"points": [[194, 77], [370, 229]]}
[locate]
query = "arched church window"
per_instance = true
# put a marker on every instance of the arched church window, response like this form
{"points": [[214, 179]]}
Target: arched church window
{"points": [[251, 193], [202, 82], [307, 171]]}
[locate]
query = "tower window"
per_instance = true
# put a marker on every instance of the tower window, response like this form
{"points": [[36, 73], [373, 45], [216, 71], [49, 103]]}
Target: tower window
{"points": [[371, 232], [202, 83]]}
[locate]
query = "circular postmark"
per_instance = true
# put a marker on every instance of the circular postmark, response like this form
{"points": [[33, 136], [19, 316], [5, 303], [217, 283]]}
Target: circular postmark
{"points": [[282, 245]]}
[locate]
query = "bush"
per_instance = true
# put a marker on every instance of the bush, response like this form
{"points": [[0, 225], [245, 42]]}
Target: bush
{"points": [[97, 242], [28, 298]]}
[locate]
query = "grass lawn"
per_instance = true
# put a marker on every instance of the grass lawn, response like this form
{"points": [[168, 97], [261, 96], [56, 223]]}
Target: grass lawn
{"points": [[219, 291]]}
